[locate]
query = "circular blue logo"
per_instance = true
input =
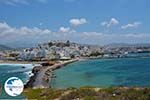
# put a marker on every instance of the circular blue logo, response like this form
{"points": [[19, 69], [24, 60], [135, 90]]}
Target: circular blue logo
{"points": [[14, 86]]}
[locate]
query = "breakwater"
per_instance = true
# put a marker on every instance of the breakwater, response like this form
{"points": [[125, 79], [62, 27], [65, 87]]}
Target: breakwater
{"points": [[43, 74]]}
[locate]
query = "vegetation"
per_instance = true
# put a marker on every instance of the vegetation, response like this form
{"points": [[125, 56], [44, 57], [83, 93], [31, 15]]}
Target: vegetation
{"points": [[42, 94], [89, 93], [95, 54]]}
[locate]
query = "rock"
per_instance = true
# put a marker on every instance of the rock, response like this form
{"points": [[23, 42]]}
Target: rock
{"points": [[117, 92], [114, 94], [30, 82], [23, 67], [36, 69], [47, 64], [54, 76]]}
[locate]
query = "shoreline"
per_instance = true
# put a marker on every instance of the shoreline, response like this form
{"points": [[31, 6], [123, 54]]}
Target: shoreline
{"points": [[42, 75], [20, 62]]}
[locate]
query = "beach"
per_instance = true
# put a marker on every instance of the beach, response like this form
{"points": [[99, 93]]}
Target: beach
{"points": [[40, 76], [46, 76], [20, 62]]}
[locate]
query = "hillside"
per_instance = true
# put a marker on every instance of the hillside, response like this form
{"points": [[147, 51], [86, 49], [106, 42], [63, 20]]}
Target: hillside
{"points": [[118, 93], [3, 47]]}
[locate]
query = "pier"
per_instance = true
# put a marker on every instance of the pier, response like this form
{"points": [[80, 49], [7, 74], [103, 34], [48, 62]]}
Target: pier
{"points": [[44, 75]]}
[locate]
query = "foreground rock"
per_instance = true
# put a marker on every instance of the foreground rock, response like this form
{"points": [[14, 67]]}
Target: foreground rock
{"points": [[35, 72]]}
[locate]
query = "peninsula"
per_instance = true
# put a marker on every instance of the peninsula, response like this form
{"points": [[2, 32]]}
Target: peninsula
{"points": [[44, 73], [55, 54]]}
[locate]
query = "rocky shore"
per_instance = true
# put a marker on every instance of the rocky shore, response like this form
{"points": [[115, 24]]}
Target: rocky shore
{"points": [[35, 72], [43, 74]]}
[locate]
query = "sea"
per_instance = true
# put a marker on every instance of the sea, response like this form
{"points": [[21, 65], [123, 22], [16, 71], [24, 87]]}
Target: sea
{"points": [[22, 71], [130, 71], [102, 73]]}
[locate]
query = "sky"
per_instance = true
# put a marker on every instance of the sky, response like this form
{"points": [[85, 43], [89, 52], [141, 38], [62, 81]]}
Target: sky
{"points": [[25, 23]]}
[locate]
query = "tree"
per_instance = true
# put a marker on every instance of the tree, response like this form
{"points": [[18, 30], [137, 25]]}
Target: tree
{"points": [[50, 44], [68, 43]]}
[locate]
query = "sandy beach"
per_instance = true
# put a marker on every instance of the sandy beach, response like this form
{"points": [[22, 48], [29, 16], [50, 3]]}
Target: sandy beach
{"points": [[20, 62]]}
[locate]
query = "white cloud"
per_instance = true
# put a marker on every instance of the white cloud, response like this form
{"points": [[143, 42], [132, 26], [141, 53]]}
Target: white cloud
{"points": [[77, 22], [133, 25], [64, 30], [5, 29], [17, 2], [13, 2], [104, 23], [25, 36], [110, 23], [8, 33], [91, 34]]}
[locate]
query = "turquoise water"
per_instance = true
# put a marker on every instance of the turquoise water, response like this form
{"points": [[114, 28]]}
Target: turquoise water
{"points": [[104, 73], [14, 70]]}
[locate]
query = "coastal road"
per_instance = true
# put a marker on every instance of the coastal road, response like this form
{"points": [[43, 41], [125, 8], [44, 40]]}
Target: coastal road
{"points": [[40, 82]]}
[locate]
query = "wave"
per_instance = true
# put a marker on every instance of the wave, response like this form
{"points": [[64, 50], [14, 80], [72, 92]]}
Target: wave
{"points": [[29, 73]]}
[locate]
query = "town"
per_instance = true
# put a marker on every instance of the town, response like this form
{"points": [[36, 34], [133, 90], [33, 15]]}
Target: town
{"points": [[65, 50]]}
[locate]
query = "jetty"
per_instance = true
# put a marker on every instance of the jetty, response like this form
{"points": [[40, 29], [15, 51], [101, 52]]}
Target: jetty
{"points": [[43, 74]]}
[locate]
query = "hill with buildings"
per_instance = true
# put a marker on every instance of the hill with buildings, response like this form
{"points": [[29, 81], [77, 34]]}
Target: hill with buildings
{"points": [[3, 47]]}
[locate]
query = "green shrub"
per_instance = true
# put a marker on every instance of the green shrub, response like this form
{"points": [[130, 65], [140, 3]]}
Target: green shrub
{"points": [[88, 93], [41, 94]]}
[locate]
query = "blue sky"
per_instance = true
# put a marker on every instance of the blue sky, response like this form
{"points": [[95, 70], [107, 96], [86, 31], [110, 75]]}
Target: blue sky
{"points": [[28, 22]]}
